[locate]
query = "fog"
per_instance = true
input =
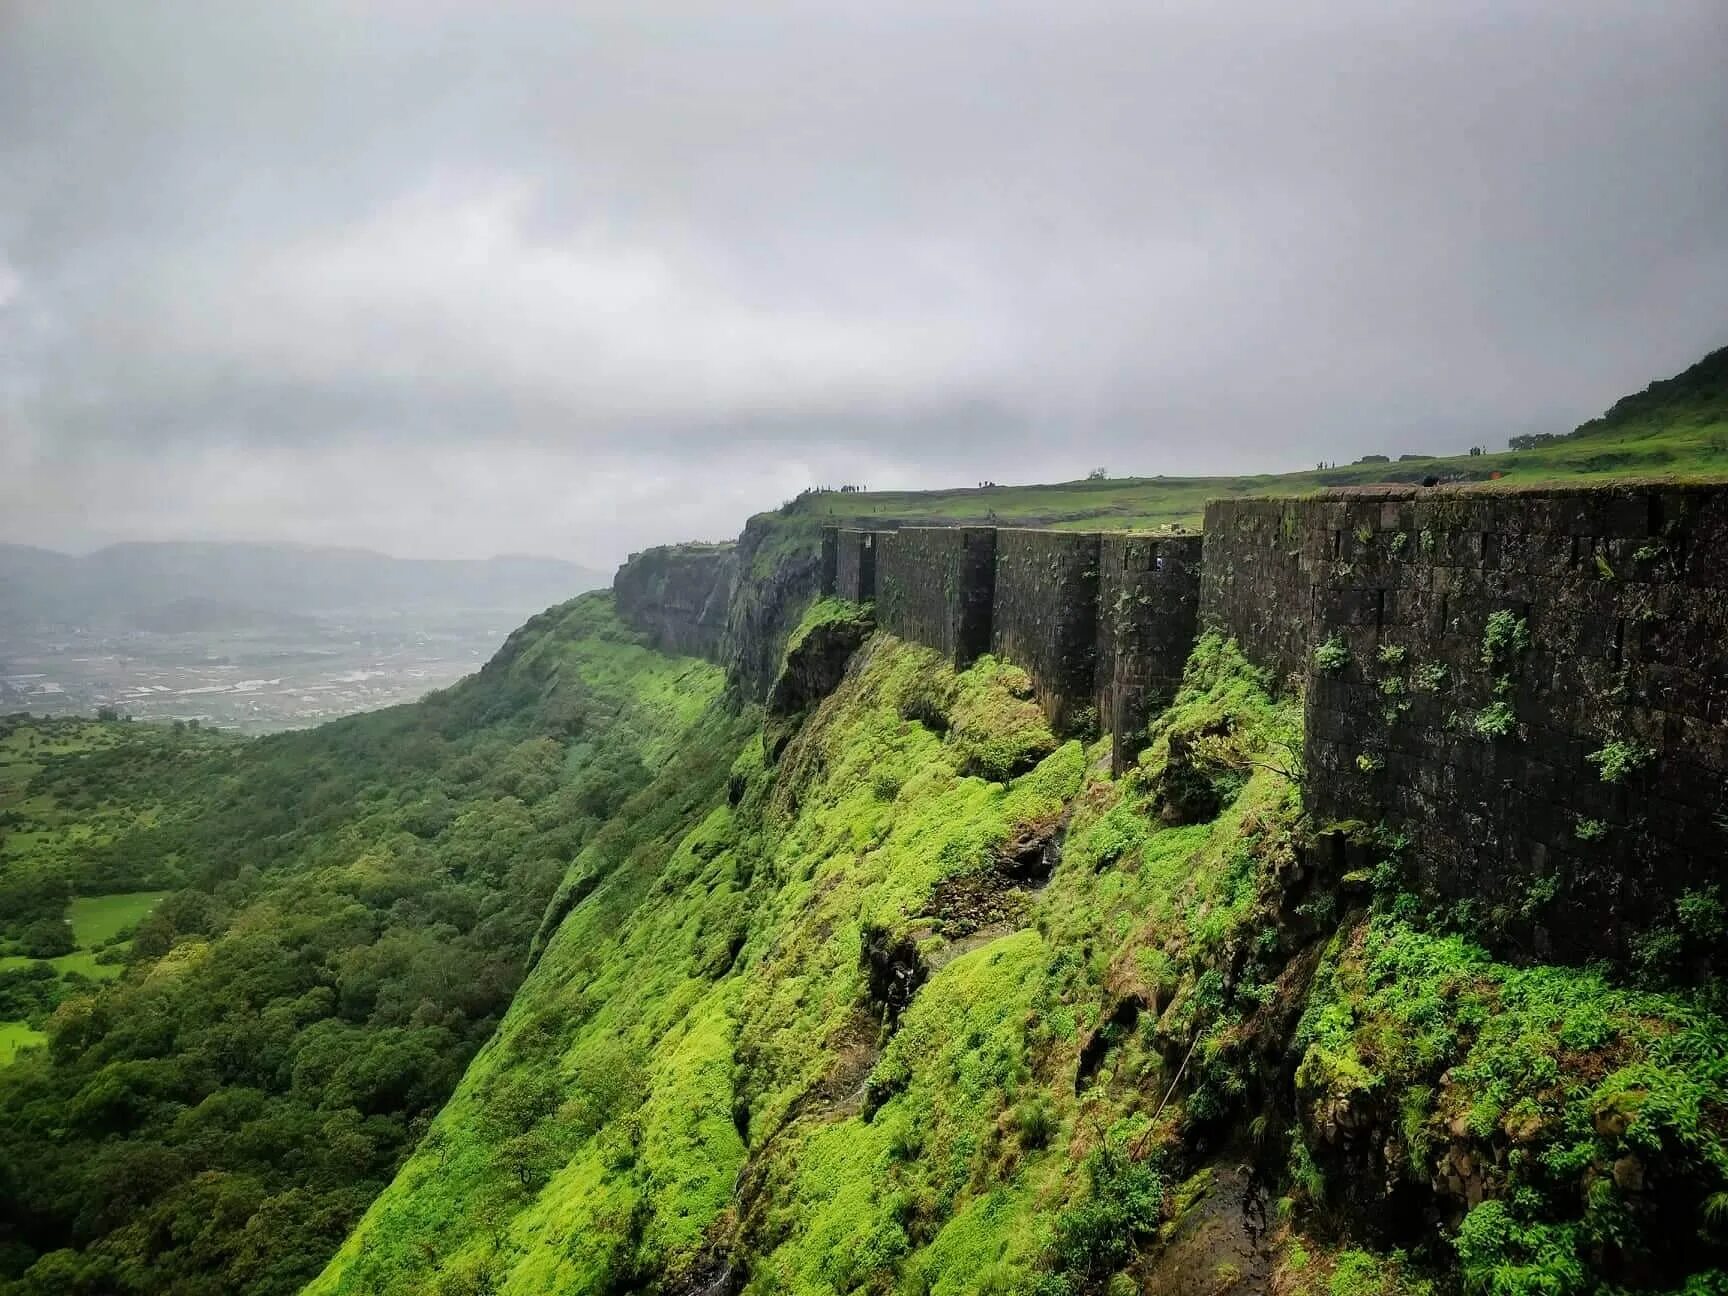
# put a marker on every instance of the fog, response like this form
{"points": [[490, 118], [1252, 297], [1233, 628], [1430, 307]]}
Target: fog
{"points": [[458, 279]]}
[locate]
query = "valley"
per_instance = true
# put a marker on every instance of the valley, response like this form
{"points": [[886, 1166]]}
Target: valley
{"points": [[251, 680], [256, 638]]}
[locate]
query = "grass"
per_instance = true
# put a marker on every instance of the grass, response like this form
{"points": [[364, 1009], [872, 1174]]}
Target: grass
{"points": [[1153, 503], [1678, 429], [97, 920], [81, 962], [15, 1036]]}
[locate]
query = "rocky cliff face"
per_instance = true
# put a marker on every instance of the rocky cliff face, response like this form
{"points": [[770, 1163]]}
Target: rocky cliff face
{"points": [[678, 595], [780, 560], [734, 604]]}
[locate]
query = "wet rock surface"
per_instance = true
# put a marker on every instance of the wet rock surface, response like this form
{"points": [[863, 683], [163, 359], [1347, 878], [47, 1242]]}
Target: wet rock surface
{"points": [[1217, 1243]]}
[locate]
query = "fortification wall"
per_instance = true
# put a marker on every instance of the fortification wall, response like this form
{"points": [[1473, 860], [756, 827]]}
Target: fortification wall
{"points": [[936, 585], [1530, 686], [1148, 597], [1045, 619], [1477, 665], [1255, 580], [828, 560], [855, 565], [1102, 622]]}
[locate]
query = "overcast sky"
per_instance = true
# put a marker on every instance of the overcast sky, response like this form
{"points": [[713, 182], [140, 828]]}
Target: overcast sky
{"points": [[460, 278]]}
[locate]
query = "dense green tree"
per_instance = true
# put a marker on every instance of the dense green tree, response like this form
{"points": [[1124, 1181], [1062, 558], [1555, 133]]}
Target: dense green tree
{"points": [[351, 910]]}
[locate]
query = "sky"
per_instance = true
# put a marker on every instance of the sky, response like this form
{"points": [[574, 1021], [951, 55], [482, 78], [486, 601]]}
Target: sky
{"points": [[449, 279]]}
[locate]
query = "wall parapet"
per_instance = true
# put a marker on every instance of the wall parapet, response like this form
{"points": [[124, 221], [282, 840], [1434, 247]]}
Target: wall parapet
{"points": [[1531, 686], [1101, 622]]}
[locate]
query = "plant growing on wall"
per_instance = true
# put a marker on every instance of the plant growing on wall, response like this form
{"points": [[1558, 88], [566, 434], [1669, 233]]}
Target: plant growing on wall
{"points": [[1505, 637], [1495, 720], [1430, 677], [1617, 758], [1332, 656]]}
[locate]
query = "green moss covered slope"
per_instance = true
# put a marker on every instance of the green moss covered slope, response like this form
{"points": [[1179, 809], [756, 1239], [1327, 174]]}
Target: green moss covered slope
{"points": [[926, 1003]]}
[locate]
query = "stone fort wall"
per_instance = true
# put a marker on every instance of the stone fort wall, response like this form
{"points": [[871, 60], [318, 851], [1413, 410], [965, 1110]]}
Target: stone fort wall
{"points": [[854, 564], [1044, 618], [1148, 602], [935, 586], [1101, 622], [1531, 686]]}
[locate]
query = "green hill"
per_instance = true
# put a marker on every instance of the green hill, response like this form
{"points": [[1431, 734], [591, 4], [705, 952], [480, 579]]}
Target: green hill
{"points": [[590, 976], [350, 910]]}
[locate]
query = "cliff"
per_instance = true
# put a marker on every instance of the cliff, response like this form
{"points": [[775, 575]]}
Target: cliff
{"points": [[927, 1001], [679, 595], [1523, 685]]}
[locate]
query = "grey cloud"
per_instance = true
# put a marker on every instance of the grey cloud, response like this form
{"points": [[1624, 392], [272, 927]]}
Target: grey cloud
{"points": [[515, 263]]}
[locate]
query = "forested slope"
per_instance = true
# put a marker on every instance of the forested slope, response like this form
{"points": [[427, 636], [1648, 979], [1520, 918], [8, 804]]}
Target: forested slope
{"points": [[927, 1003], [350, 910]]}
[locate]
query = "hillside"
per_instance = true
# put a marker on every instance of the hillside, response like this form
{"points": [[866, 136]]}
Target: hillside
{"points": [[724, 937], [327, 925], [929, 1004]]}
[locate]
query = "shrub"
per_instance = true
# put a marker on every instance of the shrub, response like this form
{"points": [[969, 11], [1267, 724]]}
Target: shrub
{"points": [[1332, 656], [1505, 636], [1495, 720], [1036, 1123], [1615, 759], [1097, 1235], [1501, 1255]]}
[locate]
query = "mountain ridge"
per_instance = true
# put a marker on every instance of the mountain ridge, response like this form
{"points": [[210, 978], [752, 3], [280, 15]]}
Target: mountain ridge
{"points": [[117, 580]]}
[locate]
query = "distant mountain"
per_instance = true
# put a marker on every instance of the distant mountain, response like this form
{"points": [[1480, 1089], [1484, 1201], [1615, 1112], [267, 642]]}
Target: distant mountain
{"points": [[119, 584]]}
